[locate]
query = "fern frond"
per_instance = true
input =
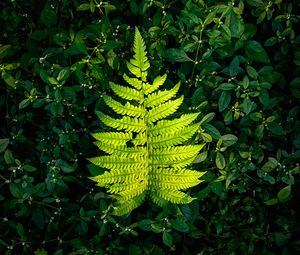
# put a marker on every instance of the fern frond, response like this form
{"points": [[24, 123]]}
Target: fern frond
{"points": [[124, 207], [127, 109], [140, 139], [175, 174], [117, 187], [140, 60], [174, 138], [177, 164], [134, 82], [133, 191], [126, 93], [158, 199], [158, 81], [174, 196], [118, 163], [171, 178], [126, 123], [137, 72], [118, 176], [115, 138], [160, 97], [177, 153], [148, 157], [122, 151], [168, 126], [164, 110]]}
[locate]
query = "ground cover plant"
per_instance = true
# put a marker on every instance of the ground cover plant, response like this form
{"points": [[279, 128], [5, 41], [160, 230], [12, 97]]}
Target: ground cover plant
{"points": [[239, 67]]}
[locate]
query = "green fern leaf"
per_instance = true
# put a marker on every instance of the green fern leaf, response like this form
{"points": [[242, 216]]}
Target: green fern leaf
{"points": [[174, 196], [177, 153], [122, 151], [127, 109], [147, 156], [158, 81], [134, 70], [126, 93], [168, 126], [140, 139], [174, 179], [140, 60], [134, 82], [164, 110], [123, 207], [126, 123], [174, 138], [113, 138], [116, 162], [118, 176], [160, 97]]}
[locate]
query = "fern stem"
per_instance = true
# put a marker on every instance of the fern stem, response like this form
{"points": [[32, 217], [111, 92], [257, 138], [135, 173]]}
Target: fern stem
{"points": [[197, 53]]}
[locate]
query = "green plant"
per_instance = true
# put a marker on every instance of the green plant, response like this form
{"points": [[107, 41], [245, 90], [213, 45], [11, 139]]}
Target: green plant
{"points": [[146, 159], [238, 62]]}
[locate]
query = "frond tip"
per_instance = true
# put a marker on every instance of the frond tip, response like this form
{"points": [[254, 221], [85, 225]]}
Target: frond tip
{"points": [[147, 155]]}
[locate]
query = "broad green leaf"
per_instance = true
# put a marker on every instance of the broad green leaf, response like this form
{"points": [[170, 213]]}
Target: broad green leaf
{"points": [[20, 230], [234, 67], [78, 46], [15, 190], [180, 225], [237, 25], [3, 144], [229, 139], [295, 87], [48, 16], [212, 131], [270, 165], [24, 103], [8, 157], [220, 160], [206, 137], [284, 194], [47, 79], [83, 7], [247, 106], [3, 50], [216, 187], [9, 79], [63, 74], [227, 86], [229, 117], [251, 72], [226, 32], [197, 96], [273, 201], [224, 100], [167, 239], [256, 52], [271, 41], [276, 129], [200, 158], [204, 193], [29, 168], [177, 55], [207, 118], [67, 168], [256, 3]]}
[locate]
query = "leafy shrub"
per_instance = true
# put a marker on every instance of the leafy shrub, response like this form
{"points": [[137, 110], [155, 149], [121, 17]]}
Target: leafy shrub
{"points": [[238, 63]]}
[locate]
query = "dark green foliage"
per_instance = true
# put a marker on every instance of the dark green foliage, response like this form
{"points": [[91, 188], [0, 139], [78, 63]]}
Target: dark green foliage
{"points": [[239, 65]]}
